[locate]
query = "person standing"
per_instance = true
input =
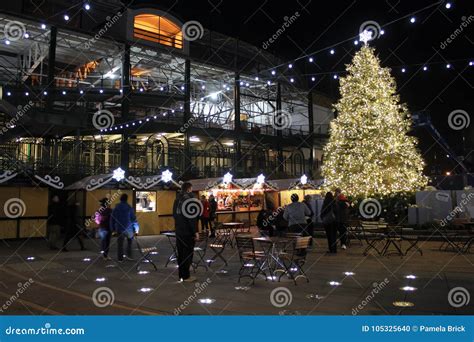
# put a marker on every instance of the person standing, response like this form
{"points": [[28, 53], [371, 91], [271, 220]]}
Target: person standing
{"points": [[102, 218], [122, 221], [342, 208], [55, 222], [328, 218], [205, 213], [295, 213], [74, 226], [309, 230], [186, 232], [212, 215]]}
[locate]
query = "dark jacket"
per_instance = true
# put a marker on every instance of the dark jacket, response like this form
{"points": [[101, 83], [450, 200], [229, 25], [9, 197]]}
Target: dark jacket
{"points": [[56, 214], [328, 206], [74, 219], [341, 209], [212, 209], [183, 213], [102, 218], [123, 218]]}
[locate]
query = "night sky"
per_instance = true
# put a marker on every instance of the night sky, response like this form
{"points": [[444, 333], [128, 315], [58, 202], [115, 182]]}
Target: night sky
{"points": [[321, 25]]}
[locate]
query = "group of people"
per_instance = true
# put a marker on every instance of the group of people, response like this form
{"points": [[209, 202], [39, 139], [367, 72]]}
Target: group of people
{"points": [[334, 215], [121, 221], [208, 215]]}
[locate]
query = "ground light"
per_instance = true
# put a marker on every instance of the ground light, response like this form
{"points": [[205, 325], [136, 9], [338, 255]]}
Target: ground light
{"points": [[403, 304], [30, 258], [334, 283], [143, 272], [408, 288], [86, 259], [206, 300], [100, 280], [349, 274], [314, 296], [145, 289], [410, 276]]}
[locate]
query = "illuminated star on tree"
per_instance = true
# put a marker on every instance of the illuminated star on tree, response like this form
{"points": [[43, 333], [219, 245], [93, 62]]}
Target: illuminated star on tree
{"points": [[369, 151], [365, 36], [166, 176], [118, 174]]}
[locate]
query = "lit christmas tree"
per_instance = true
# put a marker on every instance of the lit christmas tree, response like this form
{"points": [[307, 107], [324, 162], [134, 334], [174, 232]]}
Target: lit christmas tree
{"points": [[369, 150]]}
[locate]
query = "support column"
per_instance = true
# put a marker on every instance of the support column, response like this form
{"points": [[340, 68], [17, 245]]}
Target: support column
{"points": [[237, 126], [51, 66], [187, 162], [311, 133], [279, 132], [125, 110]]}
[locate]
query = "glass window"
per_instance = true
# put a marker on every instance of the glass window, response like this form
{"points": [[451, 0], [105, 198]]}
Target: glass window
{"points": [[157, 29], [145, 201]]}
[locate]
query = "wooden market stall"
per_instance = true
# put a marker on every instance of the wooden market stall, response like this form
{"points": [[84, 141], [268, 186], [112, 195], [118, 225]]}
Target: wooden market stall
{"points": [[300, 186]]}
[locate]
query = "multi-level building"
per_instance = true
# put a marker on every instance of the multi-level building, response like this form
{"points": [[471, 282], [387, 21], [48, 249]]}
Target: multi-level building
{"points": [[86, 90]]}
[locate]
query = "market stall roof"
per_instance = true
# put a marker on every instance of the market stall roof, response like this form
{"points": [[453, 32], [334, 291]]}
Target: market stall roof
{"points": [[249, 182], [82, 184], [295, 183], [211, 183]]}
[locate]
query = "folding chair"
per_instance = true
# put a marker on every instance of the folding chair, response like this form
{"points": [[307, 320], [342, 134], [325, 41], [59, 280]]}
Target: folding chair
{"points": [[250, 259], [200, 251], [295, 257], [172, 240], [372, 235], [218, 246], [145, 255]]}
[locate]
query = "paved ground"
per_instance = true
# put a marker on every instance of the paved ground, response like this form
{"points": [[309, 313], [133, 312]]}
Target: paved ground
{"points": [[63, 283]]}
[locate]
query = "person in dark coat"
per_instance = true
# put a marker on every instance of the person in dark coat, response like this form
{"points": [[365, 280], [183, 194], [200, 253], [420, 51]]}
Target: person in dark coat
{"points": [[186, 210], [328, 218], [212, 214], [342, 209], [102, 218], [309, 230], [206, 210], [74, 226], [123, 222], [55, 222], [265, 220]]}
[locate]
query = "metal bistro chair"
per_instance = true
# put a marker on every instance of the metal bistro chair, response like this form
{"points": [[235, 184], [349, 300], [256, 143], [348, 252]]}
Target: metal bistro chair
{"points": [[145, 257], [218, 246], [295, 257], [354, 231], [200, 251], [250, 259], [372, 235], [172, 240]]}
